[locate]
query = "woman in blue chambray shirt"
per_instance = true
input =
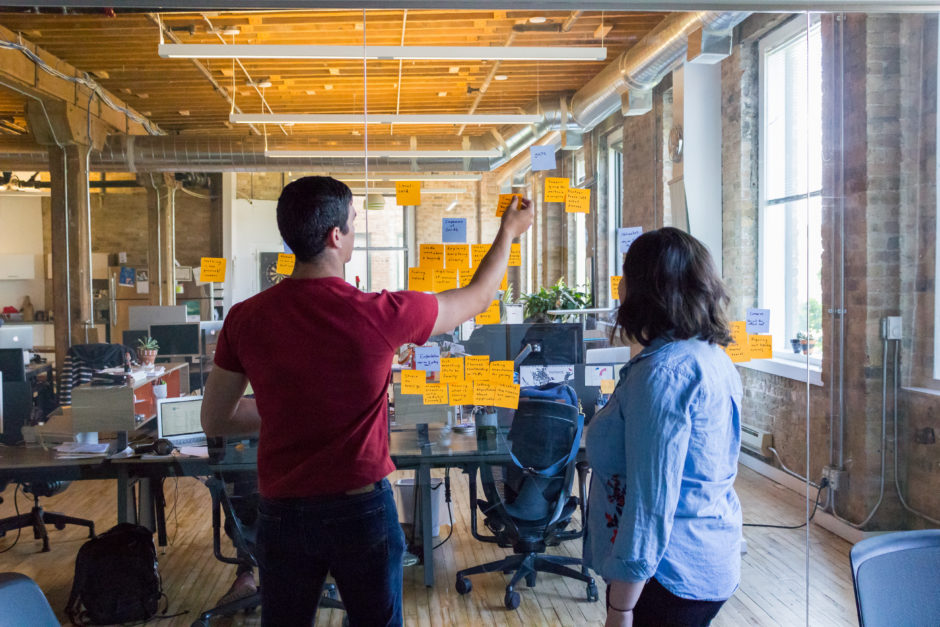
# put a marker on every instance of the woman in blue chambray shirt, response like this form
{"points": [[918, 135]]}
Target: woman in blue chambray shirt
{"points": [[664, 522]]}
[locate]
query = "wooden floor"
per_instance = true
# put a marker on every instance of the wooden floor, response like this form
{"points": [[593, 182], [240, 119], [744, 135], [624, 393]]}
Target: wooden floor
{"points": [[772, 591]]}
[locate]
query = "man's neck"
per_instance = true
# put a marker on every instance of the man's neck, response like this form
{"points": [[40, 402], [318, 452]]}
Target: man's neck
{"points": [[324, 266]]}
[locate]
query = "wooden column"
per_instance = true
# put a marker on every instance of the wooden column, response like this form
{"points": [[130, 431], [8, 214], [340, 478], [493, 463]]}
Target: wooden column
{"points": [[71, 252]]}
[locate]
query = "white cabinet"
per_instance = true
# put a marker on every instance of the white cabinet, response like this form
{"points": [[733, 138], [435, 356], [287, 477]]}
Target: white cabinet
{"points": [[17, 267]]}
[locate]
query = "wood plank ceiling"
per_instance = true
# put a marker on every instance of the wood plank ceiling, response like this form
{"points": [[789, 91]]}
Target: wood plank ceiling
{"points": [[121, 53]]}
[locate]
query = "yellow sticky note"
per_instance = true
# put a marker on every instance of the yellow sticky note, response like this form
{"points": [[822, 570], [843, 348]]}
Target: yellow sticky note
{"points": [[760, 346], [420, 280], [408, 192], [465, 277], [615, 287], [212, 269], [738, 332], [504, 284], [578, 200], [501, 372], [452, 370], [491, 315], [737, 352], [457, 256], [478, 252], [413, 381], [435, 394], [484, 392], [285, 263], [444, 280], [476, 367], [504, 201], [515, 255], [556, 189], [507, 396], [460, 393], [607, 386], [431, 256]]}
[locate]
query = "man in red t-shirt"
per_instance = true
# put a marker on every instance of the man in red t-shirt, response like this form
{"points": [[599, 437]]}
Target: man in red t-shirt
{"points": [[318, 353]]}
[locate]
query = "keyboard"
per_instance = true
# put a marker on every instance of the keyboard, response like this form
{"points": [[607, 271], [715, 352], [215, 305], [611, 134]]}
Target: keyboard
{"points": [[195, 440]]}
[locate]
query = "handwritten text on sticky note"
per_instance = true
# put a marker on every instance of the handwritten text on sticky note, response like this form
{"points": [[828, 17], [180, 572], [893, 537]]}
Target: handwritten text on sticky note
{"points": [[454, 230], [578, 200], [435, 394], [556, 189], [413, 381], [428, 358], [476, 366], [760, 346], [615, 287], [626, 236], [504, 201], [452, 370], [212, 269], [543, 157], [491, 315], [456, 256], [758, 320], [419, 280], [478, 252], [431, 256], [285, 263], [408, 192], [507, 396]]}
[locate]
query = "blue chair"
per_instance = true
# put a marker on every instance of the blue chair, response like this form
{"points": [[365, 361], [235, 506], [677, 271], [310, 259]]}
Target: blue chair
{"points": [[897, 579], [23, 603], [528, 503]]}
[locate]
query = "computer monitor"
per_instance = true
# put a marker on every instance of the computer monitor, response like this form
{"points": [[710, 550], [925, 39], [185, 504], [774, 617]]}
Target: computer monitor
{"points": [[16, 336], [552, 343], [178, 420], [176, 340], [12, 365], [489, 339], [142, 316]]}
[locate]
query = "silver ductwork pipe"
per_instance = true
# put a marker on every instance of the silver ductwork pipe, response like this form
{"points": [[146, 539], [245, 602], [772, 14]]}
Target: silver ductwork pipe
{"points": [[639, 68]]}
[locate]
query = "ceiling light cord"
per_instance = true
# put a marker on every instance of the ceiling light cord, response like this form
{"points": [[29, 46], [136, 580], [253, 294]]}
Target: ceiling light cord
{"points": [[404, 21]]}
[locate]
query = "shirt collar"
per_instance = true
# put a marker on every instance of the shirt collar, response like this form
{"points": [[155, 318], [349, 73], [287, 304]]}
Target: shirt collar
{"points": [[655, 346]]}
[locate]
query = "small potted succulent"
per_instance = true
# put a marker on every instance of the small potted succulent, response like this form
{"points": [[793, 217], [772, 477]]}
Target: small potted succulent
{"points": [[147, 348], [159, 388], [795, 343], [807, 342]]}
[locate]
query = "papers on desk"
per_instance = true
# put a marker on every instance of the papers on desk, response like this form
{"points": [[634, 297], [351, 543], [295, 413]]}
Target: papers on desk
{"points": [[139, 374], [81, 450], [194, 451]]}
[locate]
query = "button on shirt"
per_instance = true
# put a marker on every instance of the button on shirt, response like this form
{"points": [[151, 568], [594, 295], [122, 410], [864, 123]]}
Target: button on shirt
{"points": [[664, 452]]}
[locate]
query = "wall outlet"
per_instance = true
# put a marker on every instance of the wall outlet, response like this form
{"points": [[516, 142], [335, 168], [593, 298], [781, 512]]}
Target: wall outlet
{"points": [[891, 328], [838, 478]]}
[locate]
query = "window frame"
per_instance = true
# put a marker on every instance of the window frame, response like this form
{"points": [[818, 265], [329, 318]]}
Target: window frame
{"points": [[406, 249]]}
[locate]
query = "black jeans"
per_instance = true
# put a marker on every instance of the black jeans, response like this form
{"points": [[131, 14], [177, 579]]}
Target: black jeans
{"points": [[657, 607], [357, 538]]}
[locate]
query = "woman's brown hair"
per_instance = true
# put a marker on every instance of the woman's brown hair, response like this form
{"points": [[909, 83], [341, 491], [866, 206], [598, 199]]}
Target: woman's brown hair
{"points": [[672, 288]]}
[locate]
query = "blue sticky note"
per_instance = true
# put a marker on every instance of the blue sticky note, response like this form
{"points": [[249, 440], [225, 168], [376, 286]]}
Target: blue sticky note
{"points": [[127, 277], [626, 236], [428, 358], [454, 231], [757, 321], [287, 248], [543, 157]]}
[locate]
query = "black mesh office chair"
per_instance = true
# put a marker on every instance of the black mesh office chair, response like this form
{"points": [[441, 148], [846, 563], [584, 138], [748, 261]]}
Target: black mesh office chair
{"points": [[528, 508], [896, 577]]}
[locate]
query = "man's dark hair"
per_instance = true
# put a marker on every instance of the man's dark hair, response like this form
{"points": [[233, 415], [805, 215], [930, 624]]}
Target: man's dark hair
{"points": [[308, 209], [672, 288]]}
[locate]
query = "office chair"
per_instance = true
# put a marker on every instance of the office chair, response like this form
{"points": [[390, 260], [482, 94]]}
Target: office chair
{"points": [[38, 518], [243, 537], [23, 603], [896, 577], [528, 503]]}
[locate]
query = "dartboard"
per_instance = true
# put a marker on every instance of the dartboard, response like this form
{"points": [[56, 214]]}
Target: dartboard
{"points": [[267, 266]]}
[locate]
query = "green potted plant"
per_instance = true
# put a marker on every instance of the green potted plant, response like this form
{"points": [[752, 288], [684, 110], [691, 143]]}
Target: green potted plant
{"points": [[559, 296], [147, 348], [159, 388]]}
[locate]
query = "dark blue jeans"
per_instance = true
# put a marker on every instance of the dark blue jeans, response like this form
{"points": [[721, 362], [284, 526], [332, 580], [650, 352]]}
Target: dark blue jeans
{"points": [[356, 538]]}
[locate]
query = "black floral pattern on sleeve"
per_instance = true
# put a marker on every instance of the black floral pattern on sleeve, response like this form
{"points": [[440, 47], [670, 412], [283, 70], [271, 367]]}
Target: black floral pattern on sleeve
{"points": [[616, 494]]}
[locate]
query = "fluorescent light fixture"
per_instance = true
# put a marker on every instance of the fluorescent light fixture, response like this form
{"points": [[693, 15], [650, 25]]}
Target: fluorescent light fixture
{"points": [[395, 154], [408, 53], [384, 118], [388, 191], [406, 176]]}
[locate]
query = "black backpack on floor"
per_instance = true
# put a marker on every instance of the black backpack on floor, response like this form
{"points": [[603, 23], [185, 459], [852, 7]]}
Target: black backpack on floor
{"points": [[116, 578]]}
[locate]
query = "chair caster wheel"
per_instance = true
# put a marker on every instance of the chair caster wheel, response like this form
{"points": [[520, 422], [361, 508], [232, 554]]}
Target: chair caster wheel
{"points": [[463, 585], [59, 526], [512, 600], [200, 623], [592, 592]]}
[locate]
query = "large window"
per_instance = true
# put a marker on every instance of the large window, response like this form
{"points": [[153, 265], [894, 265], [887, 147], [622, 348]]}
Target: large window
{"points": [[791, 186], [379, 260]]}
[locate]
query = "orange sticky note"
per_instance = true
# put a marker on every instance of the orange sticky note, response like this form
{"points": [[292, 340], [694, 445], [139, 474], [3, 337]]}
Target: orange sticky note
{"points": [[285, 263], [491, 315], [507, 396], [212, 269], [443, 280], [420, 280], [460, 393], [501, 372], [738, 332], [476, 367], [738, 353], [515, 255], [615, 287], [435, 394], [484, 392], [408, 192], [504, 201], [607, 386], [452, 370], [413, 381], [760, 346], [556, 189], [431, 256], [504, 284], [478, 252], [465, 277], [457, 256], [578, 200]]}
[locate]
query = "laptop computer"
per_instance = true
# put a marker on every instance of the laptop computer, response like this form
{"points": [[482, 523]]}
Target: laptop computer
{"points": [[178, 421], [16, 336]]}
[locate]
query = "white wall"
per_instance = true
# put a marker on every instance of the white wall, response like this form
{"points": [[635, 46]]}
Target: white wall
{"points": [[21, 233], [253, 230]]}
